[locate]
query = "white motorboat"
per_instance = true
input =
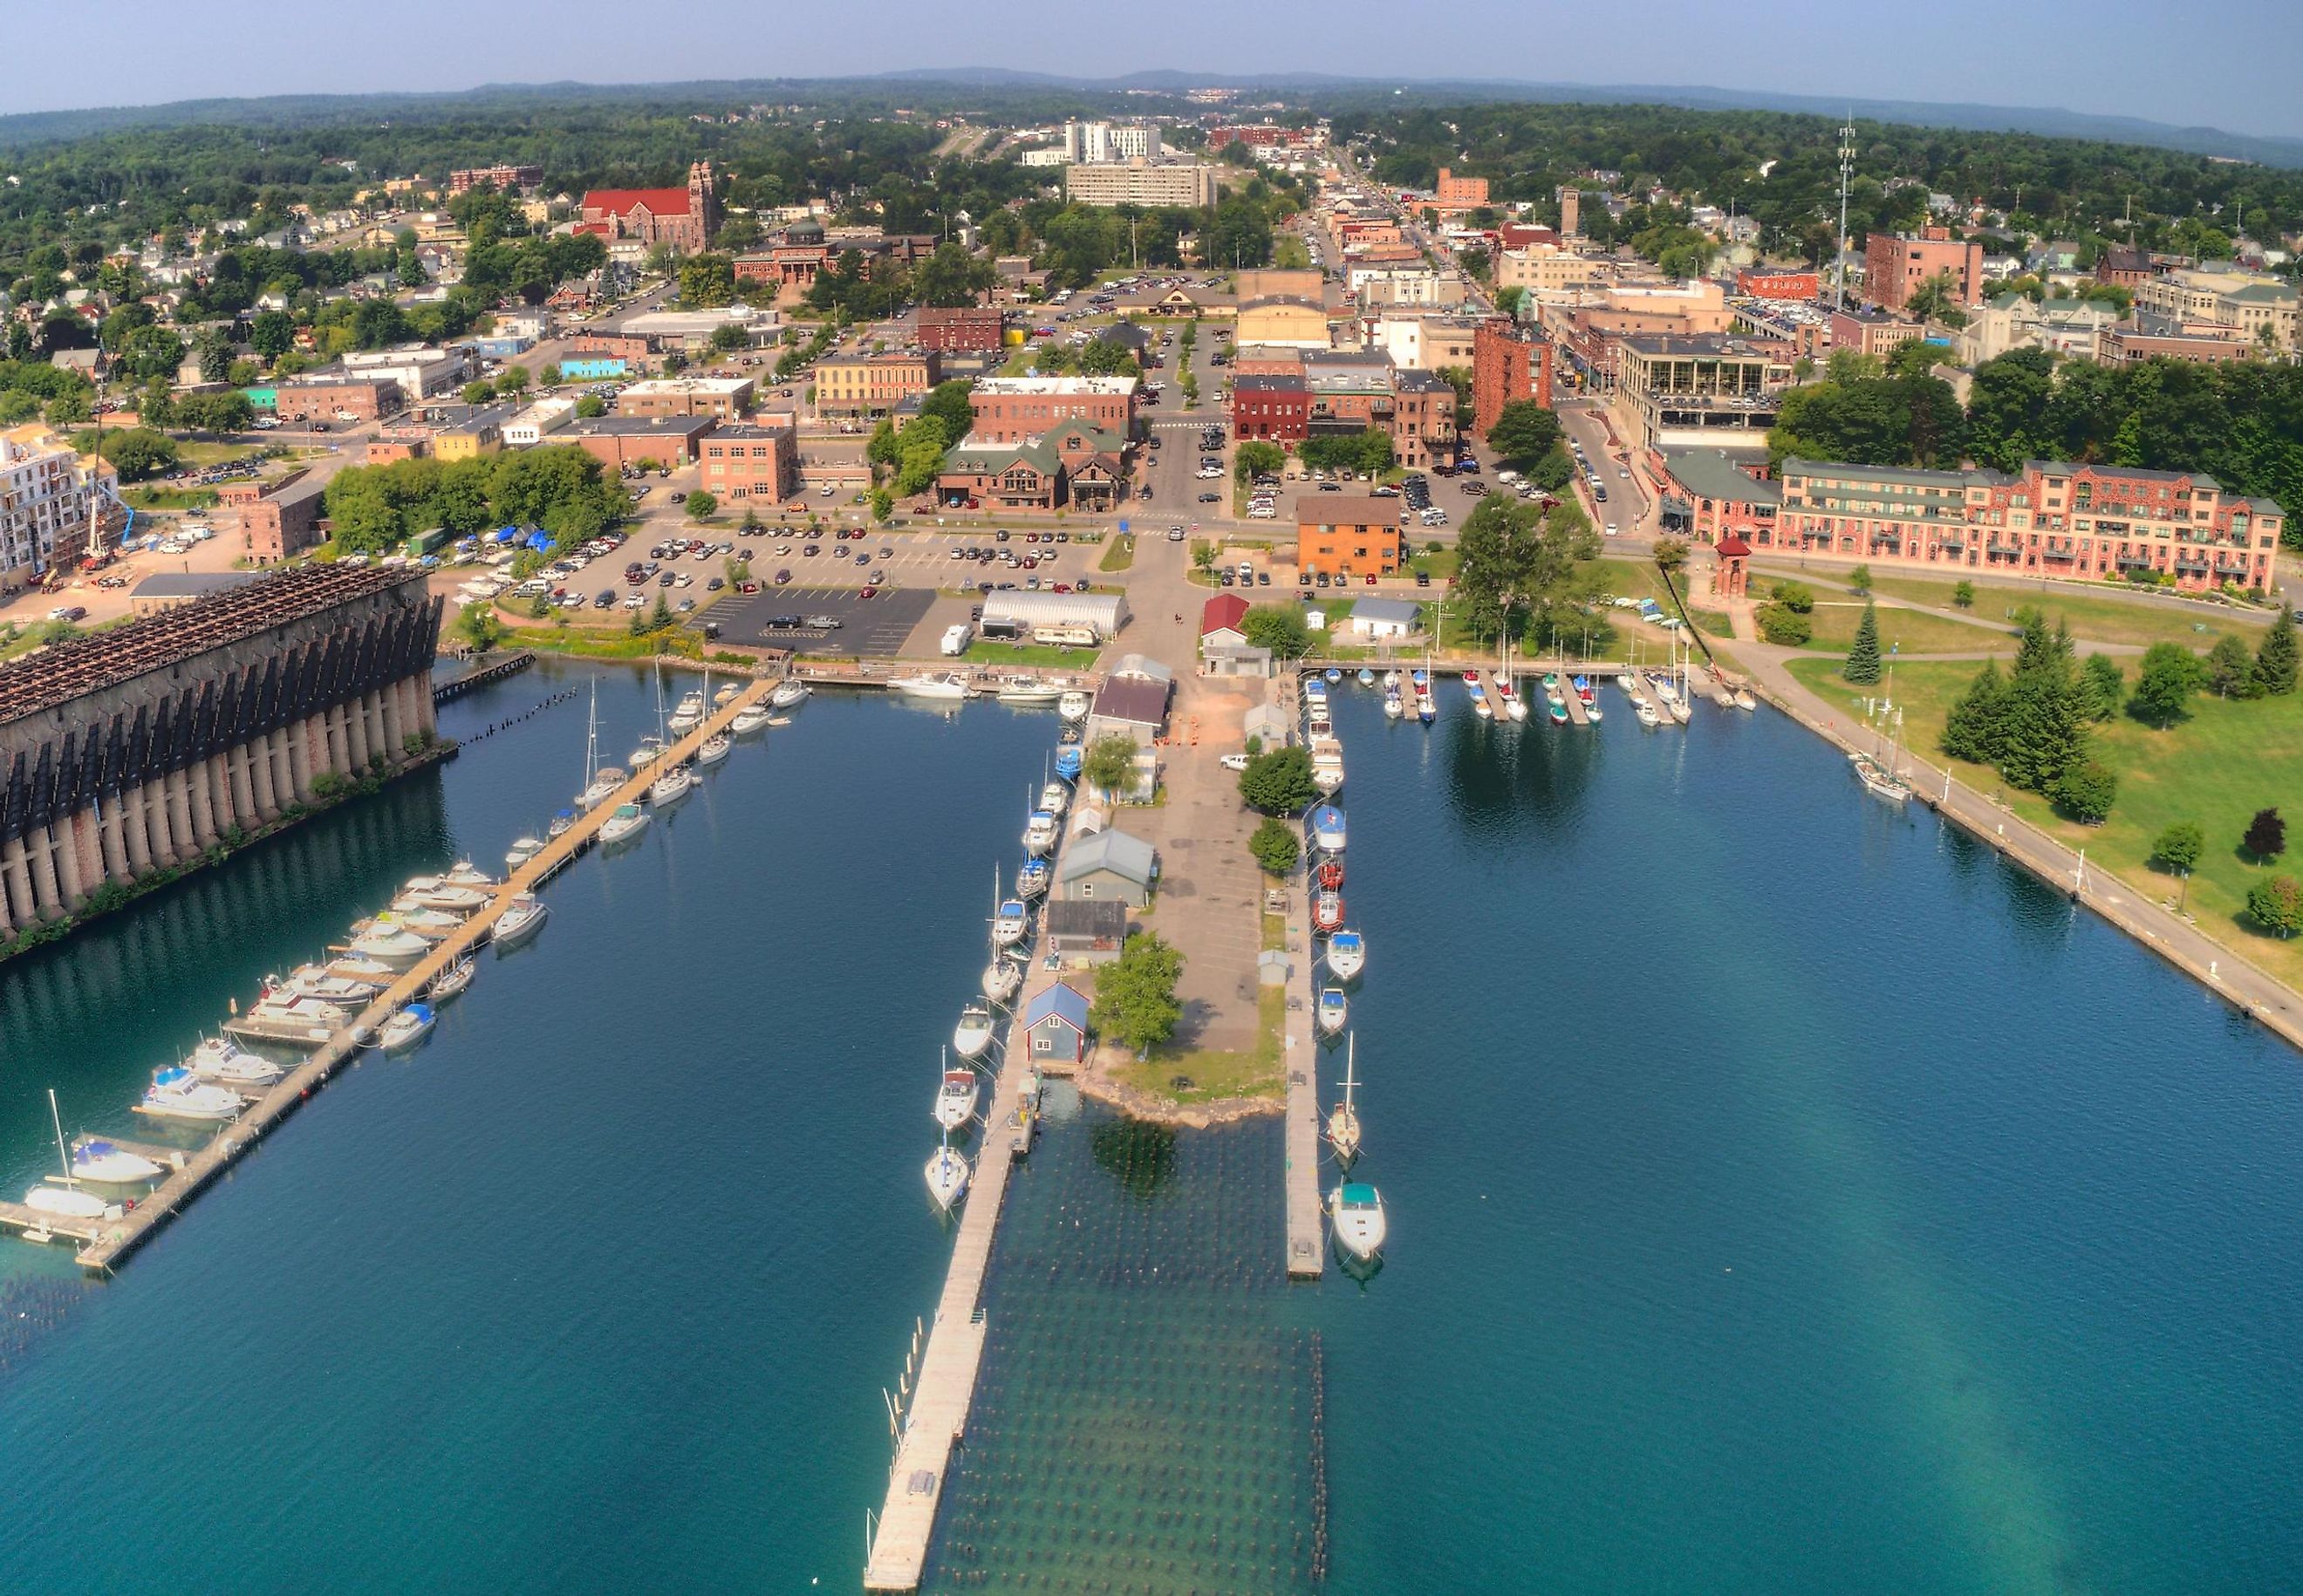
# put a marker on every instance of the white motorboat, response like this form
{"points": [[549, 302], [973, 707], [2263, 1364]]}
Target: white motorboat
{"points": [[787, 694], [404, 1029], [973, 1034], [748, 719], [627, 822], [224, 1061], [437, 891], [713, 749], [1328, 832], [1029, 695], [1355, 1212], [943, 685], [688, 716], [463, 873], [651, 749], [1328, 771], [1332, 1010], [725, 696], [1010, 926], [373, 974], [109, 1164], [1344, 1119], [955, 1102], [523, 920], [1073, 705], [1391, 679], [313, 980], [1055, 797], [1040, 832], [1003, 978], [177, 1094], [431, 924], [315, 1017], [561, 824], [947, 1173], [1032, 880], [1646, 712], [1743, 699], [389, 943], [522, 850], [674, 784], [451, 982], [1348, 954]]}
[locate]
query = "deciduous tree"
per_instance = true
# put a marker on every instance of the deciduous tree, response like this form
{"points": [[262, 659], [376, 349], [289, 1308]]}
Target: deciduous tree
{"points": [[1276, 846], [2267, 835], [2163, 691], [1279, 782], [1136, 1003]]}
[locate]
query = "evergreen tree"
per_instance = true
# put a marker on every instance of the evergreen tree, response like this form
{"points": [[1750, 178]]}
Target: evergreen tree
{"points": [[2103, 687], [2275, 661], [1862, 667], [2046, 733], [1976, 729], [2231, 668]]}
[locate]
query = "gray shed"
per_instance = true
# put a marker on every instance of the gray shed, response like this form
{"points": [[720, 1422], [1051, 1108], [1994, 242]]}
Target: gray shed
{"points": [[1108, 867]]}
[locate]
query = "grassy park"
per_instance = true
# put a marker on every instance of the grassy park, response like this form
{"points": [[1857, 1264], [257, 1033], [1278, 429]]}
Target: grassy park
{"points": [[2215, 768]]}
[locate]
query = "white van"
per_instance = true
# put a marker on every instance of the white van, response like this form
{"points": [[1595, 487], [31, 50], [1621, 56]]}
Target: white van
{"points": [[957, 638]]}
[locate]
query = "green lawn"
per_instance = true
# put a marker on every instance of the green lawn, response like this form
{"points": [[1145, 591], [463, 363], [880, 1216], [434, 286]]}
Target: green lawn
{"points": [[1118, 555], [169, 499], [2215, 768], [1835, 620], [980, 653], [1439, 566], [1216, 1075], [2098, 616]]}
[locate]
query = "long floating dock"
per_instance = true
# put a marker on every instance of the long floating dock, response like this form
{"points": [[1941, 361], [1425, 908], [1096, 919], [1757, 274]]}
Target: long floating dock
{"points": [[108, 1241], [936, 1418]]}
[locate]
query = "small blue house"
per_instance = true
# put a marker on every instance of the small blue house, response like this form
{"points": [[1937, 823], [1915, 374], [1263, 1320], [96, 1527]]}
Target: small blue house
{"points": [[1056, 1020]]}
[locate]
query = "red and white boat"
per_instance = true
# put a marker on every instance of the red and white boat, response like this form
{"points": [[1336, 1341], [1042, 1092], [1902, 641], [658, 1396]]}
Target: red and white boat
{"points": [[1328, 912], [1330, 875]]}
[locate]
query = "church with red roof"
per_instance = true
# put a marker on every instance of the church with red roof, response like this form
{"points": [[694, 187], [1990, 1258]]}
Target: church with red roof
{"points": [[684, 218]]}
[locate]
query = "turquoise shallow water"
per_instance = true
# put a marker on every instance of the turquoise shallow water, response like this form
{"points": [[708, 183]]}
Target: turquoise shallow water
{"points": [[1785, 1198]]}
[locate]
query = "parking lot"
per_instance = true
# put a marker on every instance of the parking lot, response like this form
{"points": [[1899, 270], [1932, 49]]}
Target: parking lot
{"points": [[876, 626]]}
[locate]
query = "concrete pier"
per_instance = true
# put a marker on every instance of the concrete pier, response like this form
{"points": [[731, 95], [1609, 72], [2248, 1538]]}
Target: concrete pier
{"points": [[108, 1241]]}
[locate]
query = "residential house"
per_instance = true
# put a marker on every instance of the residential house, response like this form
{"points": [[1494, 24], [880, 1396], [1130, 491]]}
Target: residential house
{"points": [[1055, 1022]]}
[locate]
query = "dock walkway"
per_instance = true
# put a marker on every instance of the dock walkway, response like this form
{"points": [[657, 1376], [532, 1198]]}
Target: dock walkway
{"points": [[113, 1240], [1307, 1253]]}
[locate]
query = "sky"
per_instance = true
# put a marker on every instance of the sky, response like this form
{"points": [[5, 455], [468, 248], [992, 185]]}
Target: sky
{"points": [[2122, 57]]}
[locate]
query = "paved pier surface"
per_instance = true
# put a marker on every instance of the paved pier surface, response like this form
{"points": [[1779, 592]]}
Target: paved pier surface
{"points": [[1301, 1057], [116, 1239]]}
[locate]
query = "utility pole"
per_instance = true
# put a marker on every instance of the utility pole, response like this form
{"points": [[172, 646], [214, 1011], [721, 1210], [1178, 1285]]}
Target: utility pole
{"points": [[1846, 173]]}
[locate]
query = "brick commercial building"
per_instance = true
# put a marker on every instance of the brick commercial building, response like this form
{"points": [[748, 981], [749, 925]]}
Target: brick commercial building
{"points": [[616, 441], [684, 218], [1009, 409], [275, 519], [1509, 362], [503, 180], [1873, 333], [1766, 282], [1007, 476], [1455, 193], [2050, 520], [1274, 409], [975, 327], [751, 461], [2221, 303], [1349, 535], [615, 346], [1895, 264], [874, 384], [723, 398], [327, 398], [2124, 346], [1709, 495]]}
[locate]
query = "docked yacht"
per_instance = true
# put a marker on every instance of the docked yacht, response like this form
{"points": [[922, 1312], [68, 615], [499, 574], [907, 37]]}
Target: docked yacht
{"points": [[373, 974], [177, 1094], [523, 920], [67, 1200], [437, 891], [220, 1060], [1329, 875], [1072, 705], [1029, 695], [404, 1029], [1067, 762], [430, 924], [1010, 925], [561, 824], [521, 850], [947, 1173], [713, 748], [1348, 954], [1426, 711], [1055, 797], [313, 980], [1032, 880], [464, 873], [938, 685], [1333, 1010], [955, 1102], [648, 752], [675, 784], [1646, 712], [748, 719], [1040, 832], [109, 1165], [451, 982], [1328, 912], [1355, 1211], [688, 716], [1328, 828], [972, 1034], [1002, 978], [389, 943], [787, 694], [627, 822]]}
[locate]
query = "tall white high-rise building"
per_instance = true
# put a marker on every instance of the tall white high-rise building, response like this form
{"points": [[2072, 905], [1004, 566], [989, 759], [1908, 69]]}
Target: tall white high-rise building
{"points": [[1135, 141]]}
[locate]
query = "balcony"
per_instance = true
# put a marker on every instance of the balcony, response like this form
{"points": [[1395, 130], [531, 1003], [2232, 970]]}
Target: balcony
{"points": [[2058, 554], [2135, 562]]}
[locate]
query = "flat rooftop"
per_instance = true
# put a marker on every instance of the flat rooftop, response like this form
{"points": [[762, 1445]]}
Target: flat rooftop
{"points": [[1052, 385]]}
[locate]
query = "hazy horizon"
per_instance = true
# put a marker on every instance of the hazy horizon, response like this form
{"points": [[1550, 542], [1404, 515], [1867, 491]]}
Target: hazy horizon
{"points": [[2056, 56]]}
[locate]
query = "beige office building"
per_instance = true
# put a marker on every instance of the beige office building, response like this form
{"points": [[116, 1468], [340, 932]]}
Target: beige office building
{"points": [[1184, 183]]}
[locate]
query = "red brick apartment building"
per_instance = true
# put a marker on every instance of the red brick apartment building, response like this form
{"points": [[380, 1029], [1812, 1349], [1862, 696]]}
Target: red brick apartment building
{"points": [[970, 327], [752, 460], [1270, 409], [1509, 362], [1009, 409], [1895, 266]]}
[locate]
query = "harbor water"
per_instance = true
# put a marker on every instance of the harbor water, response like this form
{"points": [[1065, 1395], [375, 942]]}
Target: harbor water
{"points": [[1784, 1196]]}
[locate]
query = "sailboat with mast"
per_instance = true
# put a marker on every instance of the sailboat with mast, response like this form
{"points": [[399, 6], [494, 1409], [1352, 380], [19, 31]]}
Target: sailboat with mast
{"points": [[600, 781], [65, 1200], [1344, 1119], [947, 1173], [677, 781]]}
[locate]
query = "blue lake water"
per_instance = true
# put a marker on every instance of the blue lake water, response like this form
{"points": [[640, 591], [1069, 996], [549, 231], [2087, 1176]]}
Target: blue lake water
{"points": [[1784, 1197]]}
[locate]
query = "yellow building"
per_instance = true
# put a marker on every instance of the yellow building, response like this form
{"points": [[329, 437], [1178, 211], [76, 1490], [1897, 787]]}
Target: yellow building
{"points": [[478, 434], [1285, 321]]}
